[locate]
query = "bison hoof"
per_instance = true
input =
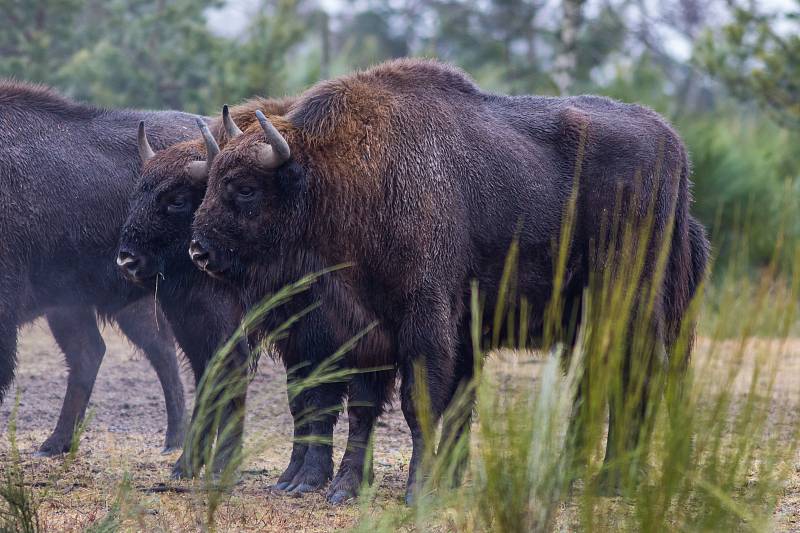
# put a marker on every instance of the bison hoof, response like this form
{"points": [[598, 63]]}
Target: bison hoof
{"points": [[181, 470], [53, 447], [285, 479], [609, 483], [345, 485], [306, 485], [179, 473], [47, 453], [412, 494], [308, 479], [302, 488], [173, 442], [340, 496], [170, 450]]}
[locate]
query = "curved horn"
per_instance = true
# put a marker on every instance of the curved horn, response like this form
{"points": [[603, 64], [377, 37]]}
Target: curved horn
{"points": [[231, 128], [277, 151], [212, 148], [200, 169], [145, 152]]}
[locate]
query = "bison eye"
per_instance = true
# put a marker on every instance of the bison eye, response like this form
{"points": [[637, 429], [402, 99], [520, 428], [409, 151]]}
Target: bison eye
{"points": [[245, 193], [177, 204]]}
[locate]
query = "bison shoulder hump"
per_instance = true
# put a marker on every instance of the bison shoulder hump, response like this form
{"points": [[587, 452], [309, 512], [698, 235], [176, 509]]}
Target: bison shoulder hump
{"points": [[367, 95], [412, 74], [319, 108]]}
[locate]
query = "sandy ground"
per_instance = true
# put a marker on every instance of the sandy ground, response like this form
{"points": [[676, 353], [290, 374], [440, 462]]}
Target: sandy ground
{"points": [[126, 432]]}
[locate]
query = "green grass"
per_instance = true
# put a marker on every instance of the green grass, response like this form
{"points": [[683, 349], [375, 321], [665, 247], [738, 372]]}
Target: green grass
{"points": [[713, 453], [713, 448], [715, 458], [19, 506], [716, 445]]}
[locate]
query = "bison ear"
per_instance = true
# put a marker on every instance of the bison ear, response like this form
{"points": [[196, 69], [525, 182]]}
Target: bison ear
{"points": [[292, 179]]}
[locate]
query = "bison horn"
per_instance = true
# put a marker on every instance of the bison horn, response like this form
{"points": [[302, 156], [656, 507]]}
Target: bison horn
{"points": [[231, 128], [277, 151], [145, 152], [199, 169]]}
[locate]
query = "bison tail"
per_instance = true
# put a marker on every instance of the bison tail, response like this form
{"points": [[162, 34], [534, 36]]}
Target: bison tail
{"points": [[687, 266], [700, 251]]}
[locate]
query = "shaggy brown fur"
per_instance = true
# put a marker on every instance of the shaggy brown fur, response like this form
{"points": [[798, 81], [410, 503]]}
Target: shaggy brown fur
{"points": [[197, 303], [419, 180]]}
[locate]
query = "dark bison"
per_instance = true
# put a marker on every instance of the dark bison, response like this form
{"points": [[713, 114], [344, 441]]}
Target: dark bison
{"points": [[203, 312], [66, 170], [154, 242], [420, 181]]}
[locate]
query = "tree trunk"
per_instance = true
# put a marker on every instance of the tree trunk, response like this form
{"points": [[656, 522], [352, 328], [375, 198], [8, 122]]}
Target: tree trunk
{"points": [[567, 59]]}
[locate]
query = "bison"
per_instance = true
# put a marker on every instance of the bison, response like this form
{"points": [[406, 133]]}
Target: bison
{"points": [[420, 181], [66, 170], [204, 313], [153, 244]]}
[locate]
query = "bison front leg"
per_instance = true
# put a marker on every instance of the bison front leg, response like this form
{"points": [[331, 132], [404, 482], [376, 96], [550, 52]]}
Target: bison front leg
{"points": [[195, 446], [367, 395], [299, 442], [152, 336], [75, 331], [230, 433], [217, 427], [322, 406]]}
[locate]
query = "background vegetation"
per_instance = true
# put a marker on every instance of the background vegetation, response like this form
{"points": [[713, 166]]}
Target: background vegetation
{"points": [[720, 445], [727, 75]]}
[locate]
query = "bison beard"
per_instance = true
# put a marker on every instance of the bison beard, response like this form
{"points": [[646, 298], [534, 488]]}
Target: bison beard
{"points": [[420, 181]]}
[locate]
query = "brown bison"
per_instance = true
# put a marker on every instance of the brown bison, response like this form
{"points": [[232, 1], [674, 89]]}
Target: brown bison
{"points": [[154, 242], [66, 170], [420, 181]]}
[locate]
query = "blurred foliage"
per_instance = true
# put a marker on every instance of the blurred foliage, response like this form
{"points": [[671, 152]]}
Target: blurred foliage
{"points": [[733, 92], [149, 53], [758, 56]]}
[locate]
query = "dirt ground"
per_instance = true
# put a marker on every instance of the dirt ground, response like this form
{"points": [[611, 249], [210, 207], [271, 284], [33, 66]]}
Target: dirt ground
{"points": [[125, 437]]}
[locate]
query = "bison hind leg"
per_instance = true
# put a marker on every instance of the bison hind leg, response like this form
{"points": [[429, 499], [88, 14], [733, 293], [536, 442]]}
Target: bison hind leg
{"points": [[630, 420], [75, 330], [8, 351]]}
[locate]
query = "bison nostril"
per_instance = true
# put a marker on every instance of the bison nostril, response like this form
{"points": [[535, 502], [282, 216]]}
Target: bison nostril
{"points": [[198, 253], [127, 260]]}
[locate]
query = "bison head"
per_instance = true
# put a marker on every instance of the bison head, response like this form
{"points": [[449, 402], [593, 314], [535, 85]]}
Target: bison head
{"points": [[253, 203], [158, 229]]}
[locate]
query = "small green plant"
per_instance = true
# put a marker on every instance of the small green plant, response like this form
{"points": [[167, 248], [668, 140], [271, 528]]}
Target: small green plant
{"points": [[19, 506]]}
